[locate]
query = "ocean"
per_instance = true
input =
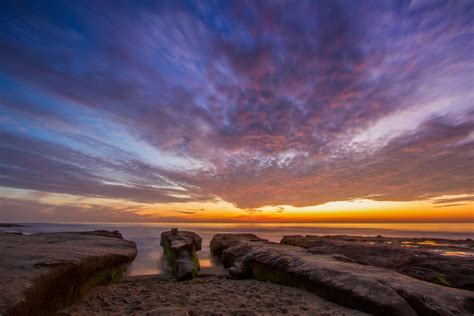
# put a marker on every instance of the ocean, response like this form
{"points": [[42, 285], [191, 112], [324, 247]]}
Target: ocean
{"points": [[147, 236]]}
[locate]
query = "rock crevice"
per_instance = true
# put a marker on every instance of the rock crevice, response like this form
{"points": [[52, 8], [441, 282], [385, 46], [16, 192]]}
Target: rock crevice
{"points": [[43, 273]]}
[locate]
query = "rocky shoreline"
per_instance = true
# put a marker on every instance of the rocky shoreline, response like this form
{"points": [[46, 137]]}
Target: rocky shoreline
{"points": [[44, 274], [440, 261], [338, 278]]}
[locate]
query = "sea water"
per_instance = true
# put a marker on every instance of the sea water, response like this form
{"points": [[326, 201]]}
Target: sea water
{"points": [[147, 236]]}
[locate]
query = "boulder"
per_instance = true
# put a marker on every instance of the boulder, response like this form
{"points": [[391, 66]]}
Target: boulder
{"points": [[441, 261], [179, 248], [366, 288], [42, 273]]}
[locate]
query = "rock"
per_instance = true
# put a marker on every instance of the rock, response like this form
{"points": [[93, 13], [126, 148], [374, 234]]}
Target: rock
{"points": [[9, 225], [42, 273], [440, 261], [220, 242], [11, 232], [179, 249], [366, 288], [105, 233], [239, 271]]}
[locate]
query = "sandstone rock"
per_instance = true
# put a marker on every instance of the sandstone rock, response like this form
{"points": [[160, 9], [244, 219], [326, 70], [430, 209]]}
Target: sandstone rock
{"points": [[440, 261], [106, 233], [220, 242], [179, 249], [365, 288], [239, 271], [42, 273]]}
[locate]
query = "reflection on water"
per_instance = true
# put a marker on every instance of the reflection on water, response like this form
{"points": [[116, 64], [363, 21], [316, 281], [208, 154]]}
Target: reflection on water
{"points": [[205, 263], [457, 253], [147, 236], [410, 246], [434, 243], [428, 243], [442, 251]]}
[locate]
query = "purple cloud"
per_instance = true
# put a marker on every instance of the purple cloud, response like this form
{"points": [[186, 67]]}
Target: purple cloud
{"points": [[256, 103]]}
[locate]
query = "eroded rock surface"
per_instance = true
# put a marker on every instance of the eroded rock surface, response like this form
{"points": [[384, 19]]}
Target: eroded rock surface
{"points": [[335, 278], [179, 249], [42, 273], [440, 261], [221, 242]]}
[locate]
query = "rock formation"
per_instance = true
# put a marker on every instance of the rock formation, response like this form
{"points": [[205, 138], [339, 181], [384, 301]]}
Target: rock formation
{"points": [[9, 225], [42, 273], [334, 277], [444, 262], [221, 242], [179, 249]]}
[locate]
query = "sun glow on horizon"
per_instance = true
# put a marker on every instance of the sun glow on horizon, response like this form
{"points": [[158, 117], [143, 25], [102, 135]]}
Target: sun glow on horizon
{"points": [[357, 210], [124, 111]]}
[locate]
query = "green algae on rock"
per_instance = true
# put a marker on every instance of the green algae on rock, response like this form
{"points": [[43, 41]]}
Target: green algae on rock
{"points": [[179, 248], [363, 287], [440, 261], [42, 273]]}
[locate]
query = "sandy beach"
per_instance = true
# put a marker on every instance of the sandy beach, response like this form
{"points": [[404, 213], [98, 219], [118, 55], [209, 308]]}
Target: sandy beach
{"points": [[205, 295], [82, 273]]}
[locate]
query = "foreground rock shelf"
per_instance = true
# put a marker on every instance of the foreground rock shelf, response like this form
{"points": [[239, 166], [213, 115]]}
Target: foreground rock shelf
{"points": [[42, 273], [338, 279], [179, 248], [440, 261]]}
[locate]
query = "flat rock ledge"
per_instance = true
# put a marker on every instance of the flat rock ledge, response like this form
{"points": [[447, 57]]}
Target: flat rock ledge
{"points": [[441, 261], [43, 273], [179, 248], [338, 279]]}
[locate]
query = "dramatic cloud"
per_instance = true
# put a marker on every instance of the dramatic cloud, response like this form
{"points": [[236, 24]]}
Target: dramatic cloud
{"points": [[258, 103]]}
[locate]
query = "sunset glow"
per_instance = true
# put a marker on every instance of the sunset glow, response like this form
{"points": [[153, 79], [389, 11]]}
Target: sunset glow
{"points": [[260, 111]]}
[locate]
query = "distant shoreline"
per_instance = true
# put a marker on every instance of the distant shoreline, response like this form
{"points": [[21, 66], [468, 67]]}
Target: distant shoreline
{"points": [[248, 223], [10, 225]]}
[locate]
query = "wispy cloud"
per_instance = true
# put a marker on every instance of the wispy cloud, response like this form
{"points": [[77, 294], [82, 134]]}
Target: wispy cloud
{"points": [[256, 103]]}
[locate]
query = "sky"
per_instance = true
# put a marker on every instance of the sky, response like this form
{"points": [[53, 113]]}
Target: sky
{"points": [[237, 111]]}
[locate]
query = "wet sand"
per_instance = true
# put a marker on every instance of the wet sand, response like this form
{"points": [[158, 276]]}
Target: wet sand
{"points": [[205, 295]]}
